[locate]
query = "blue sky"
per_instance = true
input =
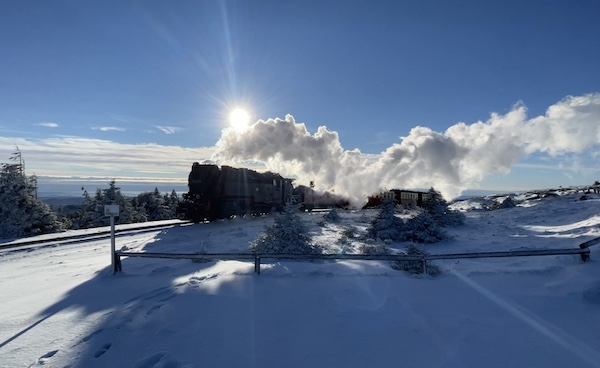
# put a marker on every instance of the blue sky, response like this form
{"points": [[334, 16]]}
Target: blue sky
{"points": [[141, 89]]}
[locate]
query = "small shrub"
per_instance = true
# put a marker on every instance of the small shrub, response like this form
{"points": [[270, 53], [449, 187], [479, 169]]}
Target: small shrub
{"points": [[373, 248], [364, 219], [350, 232], [346, 247], [416, 267], [507, 203], [332, 216], [288, 234]]}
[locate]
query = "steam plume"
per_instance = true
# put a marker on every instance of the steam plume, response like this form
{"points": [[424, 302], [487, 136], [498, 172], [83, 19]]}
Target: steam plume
{"points": [[451, 161]]}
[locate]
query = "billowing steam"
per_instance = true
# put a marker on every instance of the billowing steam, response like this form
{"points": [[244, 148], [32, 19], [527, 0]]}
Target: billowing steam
{"points": [[451, 161]]}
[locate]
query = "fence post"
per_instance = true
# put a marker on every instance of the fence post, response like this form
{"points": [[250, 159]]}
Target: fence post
{"points": [[425, 265], [584, 256], [117, 264], [257, 264]]}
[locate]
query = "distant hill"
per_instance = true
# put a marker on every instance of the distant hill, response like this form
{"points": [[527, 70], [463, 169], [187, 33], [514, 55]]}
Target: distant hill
{"points": [[57, 201]]}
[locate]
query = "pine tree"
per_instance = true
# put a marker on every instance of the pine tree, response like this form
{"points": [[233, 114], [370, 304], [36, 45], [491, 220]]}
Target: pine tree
{"points": [[386, 226], [437, 207], [173, 202], [21, 213], [93, 208], [155, 206], [288, 234], [423, 229]]}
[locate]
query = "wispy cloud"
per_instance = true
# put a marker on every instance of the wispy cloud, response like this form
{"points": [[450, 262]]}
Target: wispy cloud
{"points": [[108, 129], [85, 157], [122, 119], [47, 124], [167, 129]]}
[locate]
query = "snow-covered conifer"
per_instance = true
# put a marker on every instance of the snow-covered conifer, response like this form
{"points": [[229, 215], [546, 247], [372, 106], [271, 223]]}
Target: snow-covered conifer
{"points": [[93, 208], [21, 213], [417, 266], [437, 207], [155, 206], [423, 229], [372, 247], [507, 203], [332, 216], [386, 226], [288, 234]]}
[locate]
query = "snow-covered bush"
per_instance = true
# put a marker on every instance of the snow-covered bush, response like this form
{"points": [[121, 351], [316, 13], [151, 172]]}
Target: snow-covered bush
{"points": [[416, 267], [332, 216], [373, 247], [364, 219], [437, 207], [386, 226], [288, 234], [507, 203], [157, 206], [348, 234], [423, 229]]}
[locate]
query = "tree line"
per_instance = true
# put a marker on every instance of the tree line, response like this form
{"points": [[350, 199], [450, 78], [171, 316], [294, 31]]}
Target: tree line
{"points": [[22, 214]]}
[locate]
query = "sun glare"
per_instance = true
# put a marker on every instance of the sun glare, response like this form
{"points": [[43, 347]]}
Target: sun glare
{"points": [[239, 119]]}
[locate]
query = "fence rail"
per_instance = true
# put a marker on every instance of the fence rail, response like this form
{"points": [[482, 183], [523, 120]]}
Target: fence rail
{"points": [[583, 251]]}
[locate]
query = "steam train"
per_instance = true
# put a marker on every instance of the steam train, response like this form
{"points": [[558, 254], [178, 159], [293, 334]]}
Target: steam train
{"points": [[224, 192]]}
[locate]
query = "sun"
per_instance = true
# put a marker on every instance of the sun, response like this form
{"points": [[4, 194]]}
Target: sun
{"points": [[239, 119]]}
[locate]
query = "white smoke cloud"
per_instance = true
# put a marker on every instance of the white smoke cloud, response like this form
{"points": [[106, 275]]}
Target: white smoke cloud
{"points": [[451, 161]]}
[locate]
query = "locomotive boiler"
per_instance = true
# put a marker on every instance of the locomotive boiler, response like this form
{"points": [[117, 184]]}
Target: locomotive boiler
{"points": [[223, 192]]}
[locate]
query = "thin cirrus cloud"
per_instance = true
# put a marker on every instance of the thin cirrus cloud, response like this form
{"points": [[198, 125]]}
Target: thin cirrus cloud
{"points": [[88, 157], [168, 129], [109, 129], [48, 124]]}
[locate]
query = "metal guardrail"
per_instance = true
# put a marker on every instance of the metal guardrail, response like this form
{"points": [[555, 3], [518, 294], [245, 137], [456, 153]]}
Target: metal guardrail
{"points": [[583, 251], [94, 234]]}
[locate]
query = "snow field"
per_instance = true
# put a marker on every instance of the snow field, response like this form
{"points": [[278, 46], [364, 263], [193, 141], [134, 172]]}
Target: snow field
{"points": [[61, 307]]}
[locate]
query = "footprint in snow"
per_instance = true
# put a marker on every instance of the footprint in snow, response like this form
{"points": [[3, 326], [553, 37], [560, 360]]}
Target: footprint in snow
{"points": [[102, 350], [153, 309], [44, 358], [200, 279], [89, 337], [157, 360]]}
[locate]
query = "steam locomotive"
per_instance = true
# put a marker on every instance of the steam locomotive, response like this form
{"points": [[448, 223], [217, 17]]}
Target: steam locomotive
{"points": [[223, 192]]}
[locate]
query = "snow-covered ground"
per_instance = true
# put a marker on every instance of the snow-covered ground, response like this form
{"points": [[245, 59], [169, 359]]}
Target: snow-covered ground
{"points": [[62, 307]]}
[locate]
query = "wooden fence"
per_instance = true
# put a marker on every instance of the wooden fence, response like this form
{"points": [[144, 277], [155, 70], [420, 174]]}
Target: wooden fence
{"points": [[583, 251]]}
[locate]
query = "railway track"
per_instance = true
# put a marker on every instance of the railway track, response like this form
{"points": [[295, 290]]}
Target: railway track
{"points": [[53, 240]]}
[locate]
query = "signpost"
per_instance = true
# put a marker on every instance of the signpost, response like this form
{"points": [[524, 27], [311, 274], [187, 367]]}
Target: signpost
{"points": [[112, 210]]}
